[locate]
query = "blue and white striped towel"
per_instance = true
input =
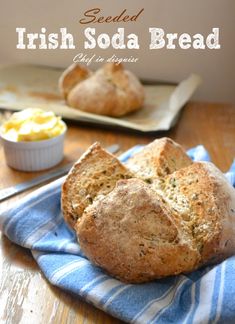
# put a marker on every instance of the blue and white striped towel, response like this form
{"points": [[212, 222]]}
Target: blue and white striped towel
{"points": [[204, 296]]}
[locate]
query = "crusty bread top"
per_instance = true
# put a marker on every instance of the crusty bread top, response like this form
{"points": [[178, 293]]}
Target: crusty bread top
{"points": [[224, 195], [73, 75], [202, 198], [131, 233], [159, 158], [96, 172]]}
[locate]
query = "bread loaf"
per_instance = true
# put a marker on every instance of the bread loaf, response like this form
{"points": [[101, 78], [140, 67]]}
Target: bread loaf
{"points": [[111, 90], [139, 230]]}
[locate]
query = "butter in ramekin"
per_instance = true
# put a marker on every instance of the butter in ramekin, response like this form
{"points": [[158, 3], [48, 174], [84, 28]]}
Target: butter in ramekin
{"points": [[32, 124]]}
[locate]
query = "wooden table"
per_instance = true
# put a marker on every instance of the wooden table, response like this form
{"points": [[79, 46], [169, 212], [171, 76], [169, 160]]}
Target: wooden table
{"points": [[25, 295]]}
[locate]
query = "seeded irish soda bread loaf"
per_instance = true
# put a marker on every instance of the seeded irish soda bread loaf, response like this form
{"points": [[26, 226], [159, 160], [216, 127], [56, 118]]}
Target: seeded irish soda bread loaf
{"points": [[140, 230], [111, 90]]}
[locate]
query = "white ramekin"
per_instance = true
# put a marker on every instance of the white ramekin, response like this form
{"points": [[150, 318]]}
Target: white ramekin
{"points": [[34, 156]]}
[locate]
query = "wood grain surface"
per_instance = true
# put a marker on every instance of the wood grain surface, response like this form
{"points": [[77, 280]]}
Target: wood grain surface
{"points": [[25, 295]]}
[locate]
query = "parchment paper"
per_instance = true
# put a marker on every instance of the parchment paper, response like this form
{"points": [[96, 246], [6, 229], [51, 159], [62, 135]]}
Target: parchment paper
{"points": [[23, 86]]}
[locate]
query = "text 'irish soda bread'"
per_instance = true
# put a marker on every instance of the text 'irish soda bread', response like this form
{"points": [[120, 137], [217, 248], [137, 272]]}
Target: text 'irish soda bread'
{"points": [[161, 215], [111, 90]]}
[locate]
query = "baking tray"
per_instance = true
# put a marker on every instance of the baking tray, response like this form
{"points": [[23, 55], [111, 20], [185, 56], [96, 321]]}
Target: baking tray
{"points": [[23, 86]]}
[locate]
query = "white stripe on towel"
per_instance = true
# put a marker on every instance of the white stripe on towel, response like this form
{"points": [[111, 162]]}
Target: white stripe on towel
{"points": [[202, 313], [92, 282], [193, 296], [67, 270], [117, 293], [39, 232], [96, 294], [221, 293], [38, 254], [155, 306], [150, 303], [12, 220], [72, 248]]}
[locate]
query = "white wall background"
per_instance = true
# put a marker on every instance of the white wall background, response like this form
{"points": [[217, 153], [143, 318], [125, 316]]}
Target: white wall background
{"points": [[217, 67]]}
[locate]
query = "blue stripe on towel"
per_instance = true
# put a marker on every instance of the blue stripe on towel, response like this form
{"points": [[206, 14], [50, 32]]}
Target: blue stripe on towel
{"points": [[204, 296]]}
